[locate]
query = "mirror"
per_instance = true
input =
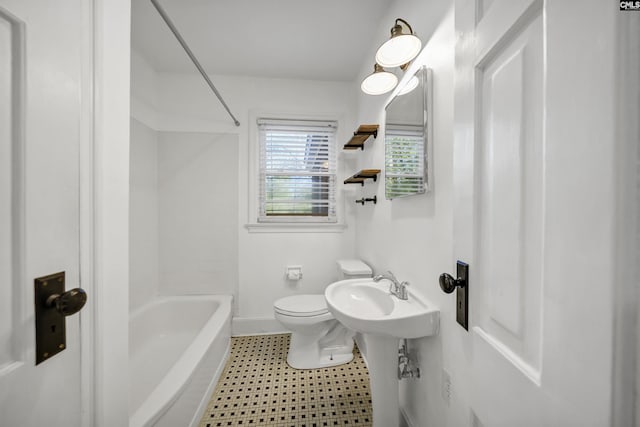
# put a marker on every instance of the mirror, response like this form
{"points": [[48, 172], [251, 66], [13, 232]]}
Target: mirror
{"points": [[406, 138]]}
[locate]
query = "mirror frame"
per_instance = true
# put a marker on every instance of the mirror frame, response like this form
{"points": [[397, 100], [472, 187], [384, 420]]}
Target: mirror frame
{"points": [[425, 83]]}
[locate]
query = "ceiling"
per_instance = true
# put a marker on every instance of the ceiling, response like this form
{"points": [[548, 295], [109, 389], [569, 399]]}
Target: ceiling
{"points": [[299, 39]]}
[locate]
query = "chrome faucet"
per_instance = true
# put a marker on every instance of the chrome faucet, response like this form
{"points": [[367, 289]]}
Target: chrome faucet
{"points": [[397, 288]]}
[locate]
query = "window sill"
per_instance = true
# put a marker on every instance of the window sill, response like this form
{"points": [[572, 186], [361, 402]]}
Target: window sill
{"points": [[294, 228]]}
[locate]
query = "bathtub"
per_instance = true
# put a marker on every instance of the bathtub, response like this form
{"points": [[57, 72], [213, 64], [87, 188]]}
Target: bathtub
{"points": [[177, 349]]}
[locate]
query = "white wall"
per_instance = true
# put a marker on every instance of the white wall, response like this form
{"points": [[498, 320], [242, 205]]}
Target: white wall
{"points": [[413, 236], [183, 103], [144, 95], [183, 213], [197, 213], [143, 215], [143, 187]]}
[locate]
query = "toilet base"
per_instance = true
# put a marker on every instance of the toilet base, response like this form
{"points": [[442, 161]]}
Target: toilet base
{"points": [[307, 352]]}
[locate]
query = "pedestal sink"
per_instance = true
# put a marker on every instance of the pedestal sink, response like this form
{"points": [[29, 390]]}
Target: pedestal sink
{"points": [[368, 307]]}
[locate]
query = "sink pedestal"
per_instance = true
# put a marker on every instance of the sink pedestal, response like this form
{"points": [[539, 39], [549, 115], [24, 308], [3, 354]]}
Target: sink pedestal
{"points": [[382, 360]]}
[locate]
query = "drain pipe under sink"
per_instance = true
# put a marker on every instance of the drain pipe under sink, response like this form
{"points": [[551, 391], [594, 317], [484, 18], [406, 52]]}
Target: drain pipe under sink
{"points": [[407, 365]]}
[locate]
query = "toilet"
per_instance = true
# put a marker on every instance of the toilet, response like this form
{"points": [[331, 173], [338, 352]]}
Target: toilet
{"points": [[317, 339]]}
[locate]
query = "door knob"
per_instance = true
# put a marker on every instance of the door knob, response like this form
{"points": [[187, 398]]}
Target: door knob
{"points": [[448, 284], [69, 302]]}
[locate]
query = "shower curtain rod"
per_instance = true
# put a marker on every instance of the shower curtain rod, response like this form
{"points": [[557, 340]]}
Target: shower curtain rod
{"points": [[195, 61]]}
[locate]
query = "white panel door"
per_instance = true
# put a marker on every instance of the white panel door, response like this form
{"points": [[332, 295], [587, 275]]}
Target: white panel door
{"points": [[41, 54], [533, 174]]}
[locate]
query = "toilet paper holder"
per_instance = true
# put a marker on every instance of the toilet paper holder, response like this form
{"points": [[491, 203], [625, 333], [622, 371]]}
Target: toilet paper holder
{"points": [[293, 272]]}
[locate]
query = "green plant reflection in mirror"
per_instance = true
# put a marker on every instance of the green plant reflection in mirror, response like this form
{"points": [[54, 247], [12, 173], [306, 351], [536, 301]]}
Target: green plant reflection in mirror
{"points": [[407, 145]]}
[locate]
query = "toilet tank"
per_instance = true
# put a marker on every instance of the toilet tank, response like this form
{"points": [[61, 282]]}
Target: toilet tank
{"points": [[353, 269]]}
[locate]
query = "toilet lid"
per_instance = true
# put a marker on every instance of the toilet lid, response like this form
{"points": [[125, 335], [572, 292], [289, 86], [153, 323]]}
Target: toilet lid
{"points": [[302, 305]]}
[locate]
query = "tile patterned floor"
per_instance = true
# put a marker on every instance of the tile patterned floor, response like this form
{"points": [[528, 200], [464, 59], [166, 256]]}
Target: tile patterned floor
{"points": [[258, 388]]}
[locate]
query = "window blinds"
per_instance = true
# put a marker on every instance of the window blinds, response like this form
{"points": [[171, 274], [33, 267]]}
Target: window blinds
{"points": [[297, 171], [405, 160]]}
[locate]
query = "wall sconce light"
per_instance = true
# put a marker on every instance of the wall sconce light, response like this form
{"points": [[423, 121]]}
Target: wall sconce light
{"points": [[379, 82], [398, 51], [400, 48]]}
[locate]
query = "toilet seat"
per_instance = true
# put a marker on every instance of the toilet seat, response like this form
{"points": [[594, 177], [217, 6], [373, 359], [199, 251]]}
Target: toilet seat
{"points": [[301, 306]]}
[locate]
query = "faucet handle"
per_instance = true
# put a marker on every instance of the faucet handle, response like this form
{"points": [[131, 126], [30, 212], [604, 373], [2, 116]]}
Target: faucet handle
{"points": [[403, 290]]}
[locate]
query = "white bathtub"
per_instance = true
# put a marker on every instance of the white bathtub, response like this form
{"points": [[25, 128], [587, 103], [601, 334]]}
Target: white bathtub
{"points": [[176, 344]]}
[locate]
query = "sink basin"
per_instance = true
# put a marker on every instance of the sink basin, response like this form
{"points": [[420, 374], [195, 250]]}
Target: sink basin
{"points": [[367, 307]]}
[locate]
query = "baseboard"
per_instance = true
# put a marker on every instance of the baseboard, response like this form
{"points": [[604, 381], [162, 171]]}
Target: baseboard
{"points": [[242, 326]]}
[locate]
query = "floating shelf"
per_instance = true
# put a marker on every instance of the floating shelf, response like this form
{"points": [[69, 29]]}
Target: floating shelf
{"points": [[363, 175], [360, 136]]}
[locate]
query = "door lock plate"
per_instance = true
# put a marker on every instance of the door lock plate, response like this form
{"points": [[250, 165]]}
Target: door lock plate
{"points": [[51, 336]]}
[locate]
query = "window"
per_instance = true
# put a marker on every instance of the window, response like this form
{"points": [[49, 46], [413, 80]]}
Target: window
{"points": [[297, 171]]}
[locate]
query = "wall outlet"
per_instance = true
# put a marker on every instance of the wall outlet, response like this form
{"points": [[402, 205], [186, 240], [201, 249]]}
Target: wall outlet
{"points": [[446, 387]]}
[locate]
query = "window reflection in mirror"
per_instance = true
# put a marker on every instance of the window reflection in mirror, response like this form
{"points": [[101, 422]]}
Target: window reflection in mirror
{"points": [[406, 138]]}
